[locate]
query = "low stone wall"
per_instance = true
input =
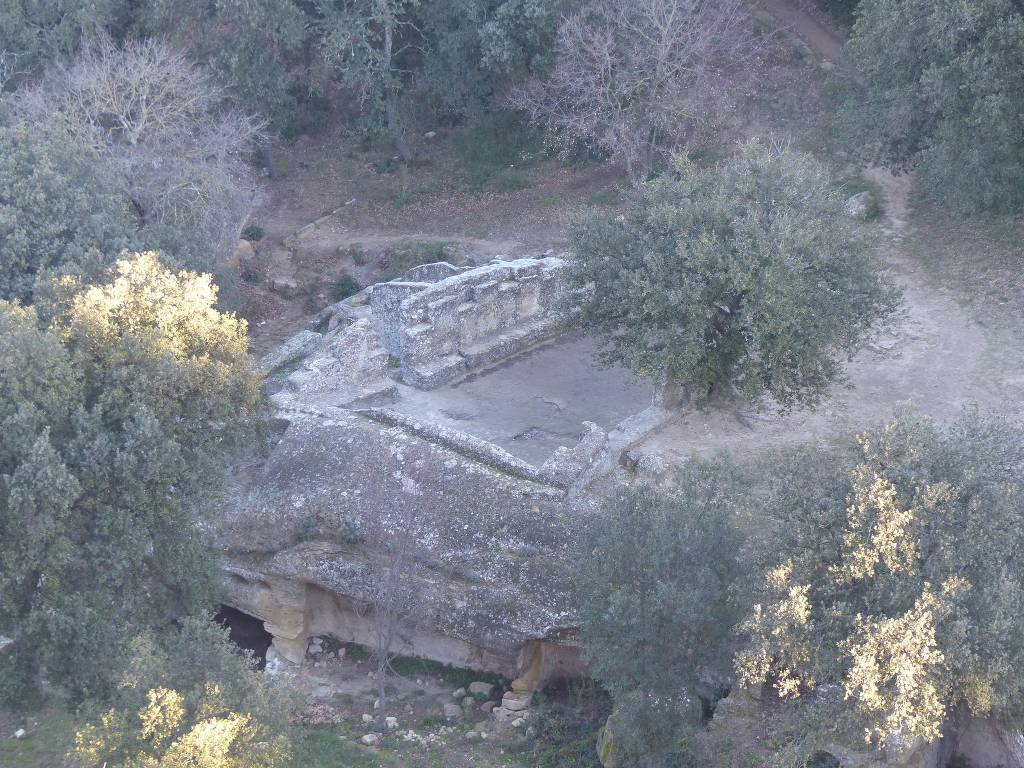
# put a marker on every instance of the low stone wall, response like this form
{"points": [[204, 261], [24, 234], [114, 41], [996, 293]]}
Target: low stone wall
{"points": [[442, 323]]}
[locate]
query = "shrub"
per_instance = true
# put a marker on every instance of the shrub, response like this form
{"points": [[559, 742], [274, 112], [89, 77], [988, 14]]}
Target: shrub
{"points": [[252, 232], [654, 572], [346, 285], [188, 699]]}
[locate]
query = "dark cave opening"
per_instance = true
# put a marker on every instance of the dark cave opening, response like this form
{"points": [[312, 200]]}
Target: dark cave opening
{"points": [[245, 631]]}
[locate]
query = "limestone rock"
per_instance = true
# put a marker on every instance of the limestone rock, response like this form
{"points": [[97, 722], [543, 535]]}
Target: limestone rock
{"points": [[516, 702], [21, 733], [468, 701], [367, 718], [488, 706], [371, 739], [350, 362], [301, 345], [6, 643], [452, 711], [503, 715], [285, 285], [481, 689], [458, 693], [391, 723]]}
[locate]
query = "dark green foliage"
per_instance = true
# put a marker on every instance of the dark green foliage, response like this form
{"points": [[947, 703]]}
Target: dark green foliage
{"points": [[57, 211], [346, 285], [34, 33], [654, 572], [842, 11], [895, 572], [254, 47], [939, 87], [349, 532], [742, 281], [252, 232], [477, 49], [115, 415], [569, 716]]}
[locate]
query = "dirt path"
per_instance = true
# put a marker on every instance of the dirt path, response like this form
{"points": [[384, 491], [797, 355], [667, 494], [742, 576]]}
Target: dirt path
{"points": [[807, 25], [936, 359]]}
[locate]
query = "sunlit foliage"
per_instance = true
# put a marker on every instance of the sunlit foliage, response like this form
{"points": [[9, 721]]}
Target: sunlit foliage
{"points": [[117, 404], [896, 573]]}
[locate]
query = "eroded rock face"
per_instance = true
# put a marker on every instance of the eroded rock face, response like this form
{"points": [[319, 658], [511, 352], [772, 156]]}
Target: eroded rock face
{"points": [[485, 483]]}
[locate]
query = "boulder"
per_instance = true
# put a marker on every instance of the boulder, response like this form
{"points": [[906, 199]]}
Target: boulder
{"points": [[452, 712], [481, 689], [301, 345], [371, 739], [516, 702]]}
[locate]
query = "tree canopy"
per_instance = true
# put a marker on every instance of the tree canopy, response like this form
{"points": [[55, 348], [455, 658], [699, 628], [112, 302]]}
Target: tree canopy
{"points": [[744, 280], [116, 412], [187, 699], [896, 573], [654, 572], [939, 87]]}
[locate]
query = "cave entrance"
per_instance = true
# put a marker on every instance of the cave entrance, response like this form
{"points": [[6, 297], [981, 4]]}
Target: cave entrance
{"points": [[245, 631]]}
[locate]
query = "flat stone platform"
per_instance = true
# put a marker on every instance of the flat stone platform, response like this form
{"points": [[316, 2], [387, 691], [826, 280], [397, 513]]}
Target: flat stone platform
{"points": [[533, 402]]}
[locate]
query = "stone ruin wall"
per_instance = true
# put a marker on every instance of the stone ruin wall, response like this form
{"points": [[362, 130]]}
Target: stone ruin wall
{"points": [[442, 322]]}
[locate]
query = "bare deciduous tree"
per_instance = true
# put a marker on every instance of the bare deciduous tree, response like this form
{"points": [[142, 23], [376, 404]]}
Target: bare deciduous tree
{"points": [[162, 127], [397, 597], [637, 78]]}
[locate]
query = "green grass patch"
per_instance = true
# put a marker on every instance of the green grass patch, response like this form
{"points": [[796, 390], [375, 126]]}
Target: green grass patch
{"points": [[46, 745], [321, 748], [498, 151], [410, 195], [457, 677]]}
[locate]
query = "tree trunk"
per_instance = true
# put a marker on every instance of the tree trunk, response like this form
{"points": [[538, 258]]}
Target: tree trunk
{"points": [[391, 99]]}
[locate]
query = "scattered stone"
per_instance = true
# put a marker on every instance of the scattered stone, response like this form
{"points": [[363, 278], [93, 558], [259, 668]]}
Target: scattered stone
{"points": [[430, 134], [516, 702], [503, 715], [5, 643], [472, 735], [285, 286], [458, 693], [371, 739], [391, 723], [20, 733], [376, 703], [517, 722], [487, 706], [468, 701], [367, 718], [452, 712], [481, 689]]}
